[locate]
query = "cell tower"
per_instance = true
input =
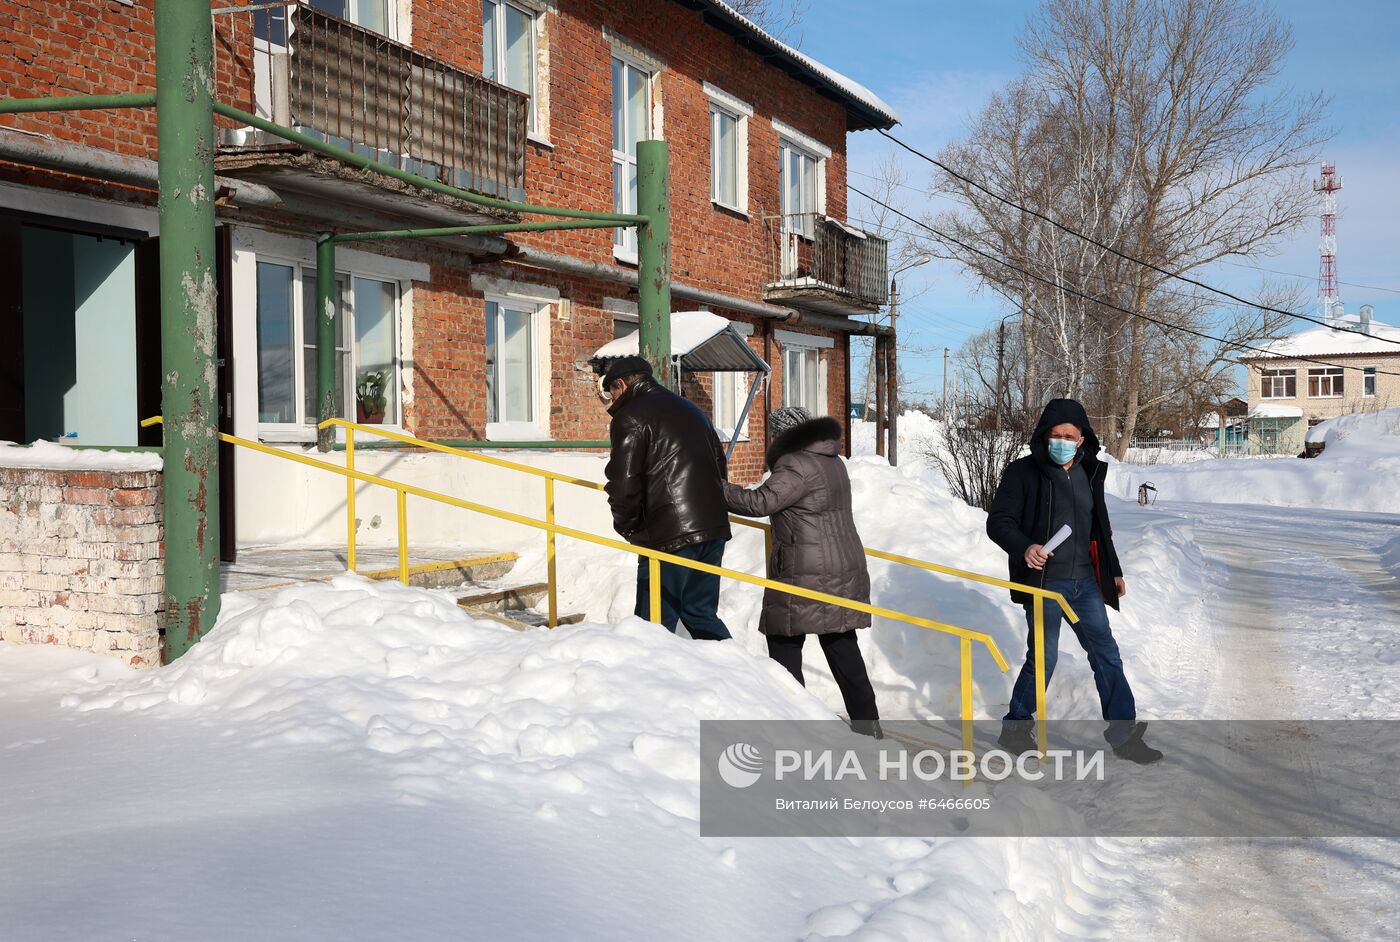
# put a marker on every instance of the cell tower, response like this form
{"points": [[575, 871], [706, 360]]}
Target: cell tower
{"points": [[1328, 297]]}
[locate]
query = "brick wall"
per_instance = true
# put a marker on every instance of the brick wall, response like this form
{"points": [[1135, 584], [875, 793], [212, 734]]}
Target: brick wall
{"points": [[81, 562]]}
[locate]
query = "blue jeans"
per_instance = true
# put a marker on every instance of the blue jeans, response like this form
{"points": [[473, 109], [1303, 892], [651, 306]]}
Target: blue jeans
{"points": [[686, 595], [1095, 637]]}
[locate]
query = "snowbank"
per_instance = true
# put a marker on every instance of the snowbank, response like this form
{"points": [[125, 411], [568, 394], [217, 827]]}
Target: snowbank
{"points": [[1360, 425], [364, 760], [51, 455]]}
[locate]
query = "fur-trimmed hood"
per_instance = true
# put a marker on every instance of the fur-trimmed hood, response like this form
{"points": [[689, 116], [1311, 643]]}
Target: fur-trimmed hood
{"points": [[820, 435]]}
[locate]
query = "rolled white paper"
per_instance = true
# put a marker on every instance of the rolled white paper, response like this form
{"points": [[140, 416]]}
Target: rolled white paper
{"points": [[1060, 536]]}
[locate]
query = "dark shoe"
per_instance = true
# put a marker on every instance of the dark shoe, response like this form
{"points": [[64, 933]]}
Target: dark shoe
{"points": [[869, 728], [1016, 738], [1135, 749]]}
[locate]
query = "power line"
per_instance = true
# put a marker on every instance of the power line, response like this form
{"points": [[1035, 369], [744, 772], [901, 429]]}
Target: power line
{"points": [[1108, 304], [1289, 274], [1107, 248]]}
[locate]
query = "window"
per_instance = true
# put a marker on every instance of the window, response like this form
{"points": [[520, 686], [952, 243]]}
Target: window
{"points": [[729, 150], [631, 123], [1325, 383], [511, 374], [366, 332], [1368, 381], [804, 371], [508, 48], [799, 190], [731, 392], [1278, 384]]}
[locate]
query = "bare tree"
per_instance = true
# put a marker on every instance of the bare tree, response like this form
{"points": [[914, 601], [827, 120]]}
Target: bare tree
{"points": [[777, 17], [1148, 125]]}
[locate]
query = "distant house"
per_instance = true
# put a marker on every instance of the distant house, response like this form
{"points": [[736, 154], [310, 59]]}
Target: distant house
{"points": [[1290, 392]]}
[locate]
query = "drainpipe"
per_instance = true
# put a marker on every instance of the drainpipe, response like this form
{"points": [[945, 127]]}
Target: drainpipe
{"points": [[85, 161]]}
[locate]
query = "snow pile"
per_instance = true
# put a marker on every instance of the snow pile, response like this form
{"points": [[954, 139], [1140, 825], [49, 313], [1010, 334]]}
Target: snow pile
{"points": [[1358, 425], [51, 455], [364, 760], [1357, 471]]}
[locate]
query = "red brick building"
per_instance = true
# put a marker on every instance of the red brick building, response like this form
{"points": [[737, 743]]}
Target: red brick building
{"points": [[474, 338]]}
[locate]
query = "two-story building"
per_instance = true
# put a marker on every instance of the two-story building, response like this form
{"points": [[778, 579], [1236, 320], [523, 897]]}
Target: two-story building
{"points": [[1290, 391], [472, 338]]}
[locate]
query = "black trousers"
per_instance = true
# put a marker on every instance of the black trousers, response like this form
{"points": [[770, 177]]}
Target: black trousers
{"points": [[847, 666]]}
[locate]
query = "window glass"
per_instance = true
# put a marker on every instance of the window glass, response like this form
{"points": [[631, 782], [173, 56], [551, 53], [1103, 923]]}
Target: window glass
{"points": [[489, 33], [276, 376], [631, 123], [510, 363], [1368, 381], [308, 346], [375, 337], [726, 158]]}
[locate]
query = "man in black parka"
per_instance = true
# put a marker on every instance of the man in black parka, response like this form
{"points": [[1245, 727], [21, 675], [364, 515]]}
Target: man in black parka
{"points": [[665, 487], [1061, 482]]}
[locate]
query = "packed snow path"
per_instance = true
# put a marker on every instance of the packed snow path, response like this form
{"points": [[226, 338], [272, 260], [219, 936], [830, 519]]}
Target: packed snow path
{"points": [[1301, 620]]}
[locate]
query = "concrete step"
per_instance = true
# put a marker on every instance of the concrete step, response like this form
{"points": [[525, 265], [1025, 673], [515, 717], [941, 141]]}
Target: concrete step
{"points": [[526, 619], [505, 599], [450, 573]]}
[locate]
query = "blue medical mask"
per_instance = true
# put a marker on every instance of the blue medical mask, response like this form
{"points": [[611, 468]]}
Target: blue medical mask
{"points": [[1061, 451]]}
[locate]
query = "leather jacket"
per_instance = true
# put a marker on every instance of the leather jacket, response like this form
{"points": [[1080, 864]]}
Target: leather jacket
{"points": [[667, 471]]}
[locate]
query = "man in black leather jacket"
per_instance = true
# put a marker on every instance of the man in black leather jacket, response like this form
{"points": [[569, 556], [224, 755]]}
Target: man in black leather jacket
{"points": [[666, 490]]}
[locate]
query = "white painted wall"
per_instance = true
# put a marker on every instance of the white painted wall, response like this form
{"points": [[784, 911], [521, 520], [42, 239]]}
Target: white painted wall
{"points": [[284, 502]]}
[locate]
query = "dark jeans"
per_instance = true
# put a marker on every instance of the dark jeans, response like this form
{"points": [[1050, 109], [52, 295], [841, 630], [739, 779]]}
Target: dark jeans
{"points": [[1095, 637], [686, 595], [847, 666]]}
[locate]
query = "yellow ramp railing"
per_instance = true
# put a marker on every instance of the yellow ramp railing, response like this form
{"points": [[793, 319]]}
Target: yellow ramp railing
{"points": [[655, 558], [1039, 595]]}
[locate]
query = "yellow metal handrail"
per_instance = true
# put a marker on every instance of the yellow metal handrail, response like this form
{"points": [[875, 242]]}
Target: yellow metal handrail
{"points": [[1039, 594], [655, 558]]}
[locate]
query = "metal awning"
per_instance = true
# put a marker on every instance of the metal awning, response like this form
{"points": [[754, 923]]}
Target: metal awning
{"points": [[701, 341]]}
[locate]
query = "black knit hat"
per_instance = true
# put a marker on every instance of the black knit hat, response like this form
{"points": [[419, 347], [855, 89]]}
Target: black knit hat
{"points": [[625, 366]]}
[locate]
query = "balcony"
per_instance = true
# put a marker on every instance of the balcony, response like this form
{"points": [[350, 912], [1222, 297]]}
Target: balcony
{"points": [[356, 88], [819, 264]]}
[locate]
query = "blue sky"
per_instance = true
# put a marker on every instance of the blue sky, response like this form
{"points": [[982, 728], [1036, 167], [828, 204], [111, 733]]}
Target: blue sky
{"points": [[936, 61]]}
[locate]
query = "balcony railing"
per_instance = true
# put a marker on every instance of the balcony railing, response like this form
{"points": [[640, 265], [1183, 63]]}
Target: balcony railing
{"points": [[361, 90], [818, 257]]}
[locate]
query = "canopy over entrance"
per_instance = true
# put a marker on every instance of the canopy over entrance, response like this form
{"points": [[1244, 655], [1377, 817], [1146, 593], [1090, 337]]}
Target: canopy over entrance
{"points": [[701, 342]]}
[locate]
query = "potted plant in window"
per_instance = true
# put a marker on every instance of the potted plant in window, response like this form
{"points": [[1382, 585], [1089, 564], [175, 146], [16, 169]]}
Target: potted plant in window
{"points": [[370, 400]]}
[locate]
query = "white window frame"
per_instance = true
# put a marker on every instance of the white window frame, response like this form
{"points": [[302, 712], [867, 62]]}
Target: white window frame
{"points": [[536, 427], [736, 386], [1334, 379], [813, 344], [498, 46], [792, 140], [1270, 378], [1368, 382], [723, 103], [302, 270], [391, 15], [626, 250]]}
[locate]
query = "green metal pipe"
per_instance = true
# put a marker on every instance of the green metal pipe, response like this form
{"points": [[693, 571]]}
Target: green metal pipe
{"points": [[654, 258], [474, 230], [78, 103], [185, 138], [325, 339], [311, 142], [531, 445]]}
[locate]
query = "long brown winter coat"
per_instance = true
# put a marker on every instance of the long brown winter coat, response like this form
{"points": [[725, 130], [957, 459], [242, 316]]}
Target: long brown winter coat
{"points": [[815, 543]]}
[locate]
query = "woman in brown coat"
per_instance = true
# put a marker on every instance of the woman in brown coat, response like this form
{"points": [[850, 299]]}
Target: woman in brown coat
{"points": [[815, 546]]}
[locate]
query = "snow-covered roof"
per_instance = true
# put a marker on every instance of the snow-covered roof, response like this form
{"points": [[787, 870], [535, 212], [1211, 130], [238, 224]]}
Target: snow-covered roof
{"points": [[1326, 341], [1271, 410], [703, 341], [864, 109]]}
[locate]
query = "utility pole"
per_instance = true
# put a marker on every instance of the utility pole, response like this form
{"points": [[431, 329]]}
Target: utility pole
{"points": [[881, 386], [654, 259], [945, 384], [892, 377], [1001, 362]]}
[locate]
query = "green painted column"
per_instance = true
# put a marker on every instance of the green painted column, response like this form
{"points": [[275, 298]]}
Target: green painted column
{"points": [[325, 338], [185, 137], [654, 258]]}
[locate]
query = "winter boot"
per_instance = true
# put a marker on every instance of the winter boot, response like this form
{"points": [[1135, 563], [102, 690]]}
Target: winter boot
{"points": [[1135, 749], [869, 728], [1017, 737]]}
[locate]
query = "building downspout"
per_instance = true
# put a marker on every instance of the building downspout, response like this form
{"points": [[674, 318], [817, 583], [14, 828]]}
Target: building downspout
{"points": [[846, 415]]}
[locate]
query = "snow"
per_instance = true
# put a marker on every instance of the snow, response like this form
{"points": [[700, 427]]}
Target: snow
{"points": [[1372, 425], [1273, 410], [53, 456], [355, 759], [689, 329], [1328, 341]]}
